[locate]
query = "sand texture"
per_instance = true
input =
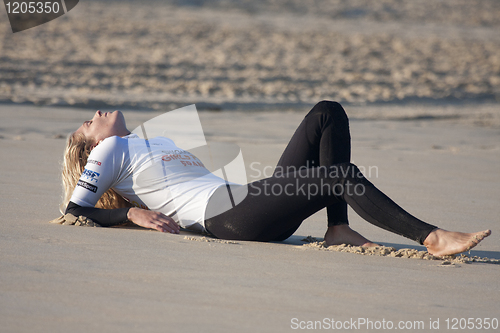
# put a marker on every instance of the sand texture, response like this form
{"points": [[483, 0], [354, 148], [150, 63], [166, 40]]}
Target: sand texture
{"points": [[255, 54], [209, 240], [70, 219], [388, 251], [67, 278]]}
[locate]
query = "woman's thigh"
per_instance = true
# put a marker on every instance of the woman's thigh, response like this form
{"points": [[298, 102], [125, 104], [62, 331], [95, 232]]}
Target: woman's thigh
{"points": [[321, 139], [270, 209]]}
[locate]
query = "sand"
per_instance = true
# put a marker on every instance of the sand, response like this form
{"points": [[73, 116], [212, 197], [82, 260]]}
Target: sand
{"points": [[71, 278], [255, 54], [311, 242], [389, 251]]}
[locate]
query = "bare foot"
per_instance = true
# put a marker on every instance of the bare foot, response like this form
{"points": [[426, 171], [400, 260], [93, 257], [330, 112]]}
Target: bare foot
{"points": [[441, 242], [343, 234]]}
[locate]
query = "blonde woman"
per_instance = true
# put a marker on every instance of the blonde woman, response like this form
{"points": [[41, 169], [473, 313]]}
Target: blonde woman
{"points": [[103, 162]]}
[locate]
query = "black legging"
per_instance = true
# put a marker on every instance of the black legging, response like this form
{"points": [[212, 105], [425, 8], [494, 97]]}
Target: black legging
{"points": [[314, 172]]}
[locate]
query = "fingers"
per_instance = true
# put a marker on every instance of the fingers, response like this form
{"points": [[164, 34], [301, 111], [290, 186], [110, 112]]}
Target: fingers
{"points": [[164, 223], [153, 220]]}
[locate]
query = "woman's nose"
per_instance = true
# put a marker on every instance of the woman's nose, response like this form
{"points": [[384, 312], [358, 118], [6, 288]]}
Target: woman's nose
{"points": [[98, 113]]}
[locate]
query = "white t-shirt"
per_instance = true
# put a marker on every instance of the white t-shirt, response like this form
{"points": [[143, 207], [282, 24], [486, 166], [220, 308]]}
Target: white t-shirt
{"points": [[152, 174]]}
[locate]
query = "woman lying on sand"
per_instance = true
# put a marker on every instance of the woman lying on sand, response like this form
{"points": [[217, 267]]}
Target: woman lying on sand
{"points": [[100, 178]]}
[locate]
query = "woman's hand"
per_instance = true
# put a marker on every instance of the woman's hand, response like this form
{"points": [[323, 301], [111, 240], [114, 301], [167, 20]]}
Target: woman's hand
{"points": [[153, 220]]}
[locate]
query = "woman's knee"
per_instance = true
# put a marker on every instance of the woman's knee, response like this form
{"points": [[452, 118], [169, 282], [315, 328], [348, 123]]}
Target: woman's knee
{"points": [[328, 107], [327, 113]]}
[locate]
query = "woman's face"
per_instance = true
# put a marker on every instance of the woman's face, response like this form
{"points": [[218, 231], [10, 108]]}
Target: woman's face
{"points": [[104, 125]]}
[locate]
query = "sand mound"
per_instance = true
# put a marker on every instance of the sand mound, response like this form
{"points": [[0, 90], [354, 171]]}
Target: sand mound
{"points": [[209, 240], [70, 219], [315, 243], [386, 251]]}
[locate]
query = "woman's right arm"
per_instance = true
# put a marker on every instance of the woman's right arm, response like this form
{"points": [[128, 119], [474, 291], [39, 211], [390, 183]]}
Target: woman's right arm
{"points": [[101, 172], [111, 217], [105, 217], [153, 220]]}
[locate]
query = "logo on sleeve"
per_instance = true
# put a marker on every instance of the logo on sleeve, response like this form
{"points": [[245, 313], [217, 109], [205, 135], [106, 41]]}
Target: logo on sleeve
{"points": [[90, 175], [87, 186], [94, 162]]}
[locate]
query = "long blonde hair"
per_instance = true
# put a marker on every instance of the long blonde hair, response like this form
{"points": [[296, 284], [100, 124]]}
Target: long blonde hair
{"points": [[76, 153]]}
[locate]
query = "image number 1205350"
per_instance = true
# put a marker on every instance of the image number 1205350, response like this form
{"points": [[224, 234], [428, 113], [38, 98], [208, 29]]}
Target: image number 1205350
{"points": [[28, 14]]}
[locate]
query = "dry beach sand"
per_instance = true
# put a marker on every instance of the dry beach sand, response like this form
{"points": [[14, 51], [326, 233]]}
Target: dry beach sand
{"points": [[62, 278], [421, 84]]}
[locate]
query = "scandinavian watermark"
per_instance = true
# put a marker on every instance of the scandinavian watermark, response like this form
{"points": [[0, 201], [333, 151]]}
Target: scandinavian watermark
{"points": [[362, 323], [309, 180], [265, 171]]}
